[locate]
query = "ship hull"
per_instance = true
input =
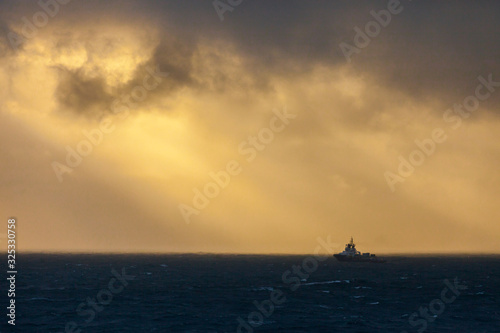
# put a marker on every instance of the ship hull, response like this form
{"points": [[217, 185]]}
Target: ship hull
{"points": [[341, 257]]}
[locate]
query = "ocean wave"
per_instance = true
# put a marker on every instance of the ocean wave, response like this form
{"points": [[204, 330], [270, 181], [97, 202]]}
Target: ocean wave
{"points": [[326, 282]]}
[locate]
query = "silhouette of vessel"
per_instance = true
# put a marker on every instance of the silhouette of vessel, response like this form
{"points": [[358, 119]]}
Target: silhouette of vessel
{"points": [[351, 254]]}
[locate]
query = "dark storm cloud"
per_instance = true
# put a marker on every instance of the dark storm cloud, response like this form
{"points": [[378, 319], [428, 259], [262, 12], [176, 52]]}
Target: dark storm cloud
{"points": [[84, 94], [5, 45], [436, 48], [431, 49], [78, 93], [430, 46], [172, 56]]}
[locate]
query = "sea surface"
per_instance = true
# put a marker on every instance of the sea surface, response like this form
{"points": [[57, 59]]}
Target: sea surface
{"points": [[223, 293]]}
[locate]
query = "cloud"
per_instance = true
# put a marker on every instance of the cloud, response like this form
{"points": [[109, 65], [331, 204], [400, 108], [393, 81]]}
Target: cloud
{"points": [[423, 52], [75, 92], [322, 175]]}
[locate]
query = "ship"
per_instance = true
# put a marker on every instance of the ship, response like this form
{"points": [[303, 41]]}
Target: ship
{"points": [[351, 254]]}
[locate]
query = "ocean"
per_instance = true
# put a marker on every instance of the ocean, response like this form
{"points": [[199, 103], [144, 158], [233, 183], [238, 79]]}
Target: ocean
{"points": [[253, 293]]}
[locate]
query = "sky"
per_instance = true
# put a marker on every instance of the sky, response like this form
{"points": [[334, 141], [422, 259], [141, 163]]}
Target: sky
{"points": [[250, 126]]}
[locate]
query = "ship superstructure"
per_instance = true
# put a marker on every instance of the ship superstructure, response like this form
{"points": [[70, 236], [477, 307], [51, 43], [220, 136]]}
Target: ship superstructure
{"points": [[351, 254]]}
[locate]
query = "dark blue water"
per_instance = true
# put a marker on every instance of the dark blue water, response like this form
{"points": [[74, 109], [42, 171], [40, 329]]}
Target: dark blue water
{"points": [[208, 293]]}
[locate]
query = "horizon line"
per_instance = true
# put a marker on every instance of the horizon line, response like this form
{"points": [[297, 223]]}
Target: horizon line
{"points": [[249, 253]]}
